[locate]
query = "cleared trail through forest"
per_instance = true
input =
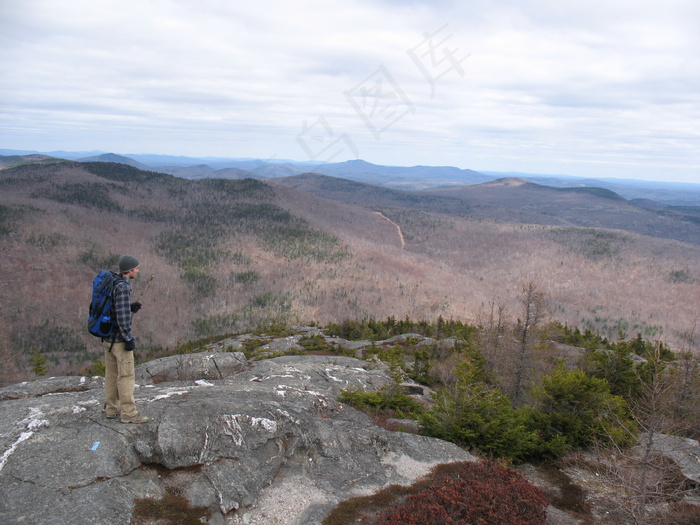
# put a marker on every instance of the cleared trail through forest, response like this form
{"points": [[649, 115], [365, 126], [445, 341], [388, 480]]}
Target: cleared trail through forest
{"points": [[398, 228]]}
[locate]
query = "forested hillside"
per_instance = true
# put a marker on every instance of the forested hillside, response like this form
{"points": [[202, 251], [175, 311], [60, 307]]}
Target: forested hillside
{"points": [[220, 256]]}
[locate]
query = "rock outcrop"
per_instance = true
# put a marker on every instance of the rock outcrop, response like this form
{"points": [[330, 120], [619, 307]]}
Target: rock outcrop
{"points": [[231, 440], [261, 442]]}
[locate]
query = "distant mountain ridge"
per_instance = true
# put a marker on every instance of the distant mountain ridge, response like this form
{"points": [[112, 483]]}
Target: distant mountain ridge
{"points": [[514, 200], [407, 178], [120, 159], [668, 193], [10, 161], [396, 177]]}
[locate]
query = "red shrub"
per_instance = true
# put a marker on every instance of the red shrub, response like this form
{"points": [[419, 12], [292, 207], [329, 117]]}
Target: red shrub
{"points": [[483, 493]]}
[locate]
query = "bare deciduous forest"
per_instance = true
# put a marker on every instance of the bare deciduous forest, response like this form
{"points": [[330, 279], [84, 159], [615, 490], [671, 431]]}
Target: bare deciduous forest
{"points": [[223, 256]]}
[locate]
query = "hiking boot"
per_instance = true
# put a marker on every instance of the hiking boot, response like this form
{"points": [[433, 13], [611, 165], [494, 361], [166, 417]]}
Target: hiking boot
{"points": [[107, 414], [135, 419]]}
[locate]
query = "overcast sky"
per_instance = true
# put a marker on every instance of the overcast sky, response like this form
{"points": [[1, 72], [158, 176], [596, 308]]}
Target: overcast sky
{"points": [[596, 88]]}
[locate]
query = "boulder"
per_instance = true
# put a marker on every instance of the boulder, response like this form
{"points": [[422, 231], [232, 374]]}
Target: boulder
{"points": [[684, 452], [189, 367]]}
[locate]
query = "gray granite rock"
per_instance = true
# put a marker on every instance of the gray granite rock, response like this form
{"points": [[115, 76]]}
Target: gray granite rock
{"points": [[224, 432]]}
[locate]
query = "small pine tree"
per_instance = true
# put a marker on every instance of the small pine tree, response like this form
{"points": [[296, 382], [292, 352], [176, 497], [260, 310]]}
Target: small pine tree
{"points": [[474, 414], [98, 368], [39, 365], [580, 410]]}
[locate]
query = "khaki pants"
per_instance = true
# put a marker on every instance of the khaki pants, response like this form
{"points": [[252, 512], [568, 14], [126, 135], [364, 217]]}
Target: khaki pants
{"points": [[119, 380]]}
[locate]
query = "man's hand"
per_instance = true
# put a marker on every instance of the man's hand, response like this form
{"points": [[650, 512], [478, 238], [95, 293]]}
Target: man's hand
{"points": [[130, 345], [135, 307]]}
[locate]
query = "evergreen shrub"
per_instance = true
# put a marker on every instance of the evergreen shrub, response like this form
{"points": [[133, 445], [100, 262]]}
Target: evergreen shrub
{"points": [[380, 401]]}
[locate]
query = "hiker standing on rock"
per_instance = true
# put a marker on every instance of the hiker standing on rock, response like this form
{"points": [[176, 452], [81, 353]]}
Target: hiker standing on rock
{"points": [[119, 349]]}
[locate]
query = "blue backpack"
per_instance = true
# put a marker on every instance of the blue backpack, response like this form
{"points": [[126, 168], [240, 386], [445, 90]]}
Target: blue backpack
{"points": [[100, 316]]}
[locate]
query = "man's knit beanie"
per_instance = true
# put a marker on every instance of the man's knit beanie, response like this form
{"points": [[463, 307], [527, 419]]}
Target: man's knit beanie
{"points": [[127, 263]]}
